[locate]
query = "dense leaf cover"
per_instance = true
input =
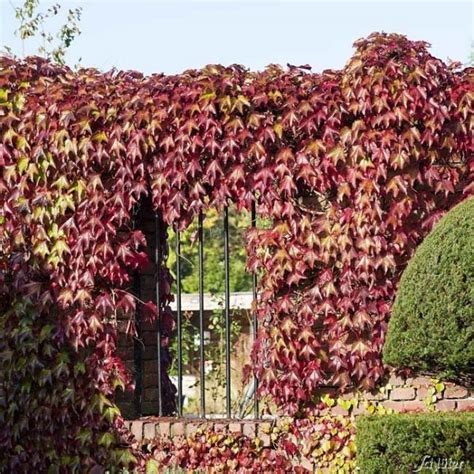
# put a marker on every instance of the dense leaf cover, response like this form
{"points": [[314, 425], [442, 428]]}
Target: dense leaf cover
{"points": [[353, 167], [323, 442], [432, 323], [434, 442]]}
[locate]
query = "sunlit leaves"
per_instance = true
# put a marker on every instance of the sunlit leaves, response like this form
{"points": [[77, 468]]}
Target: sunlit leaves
{"points": [[350, 169]]}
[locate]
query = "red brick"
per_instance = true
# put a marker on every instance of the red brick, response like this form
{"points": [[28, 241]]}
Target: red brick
{"points": [[124, 352], [375, 395], [265, 438], [149, 269], [249, 429], [359, 410], [402, 394], [446, 405], [235, 427], [456, 392], [149, 366], [412, 405], [422, 382], [148, 282], [347, 396], [149, 430], [150, 380], [150, 394], [422, 393], [465, 405], [125, 343], [150, 352], [149, 337], [137, 429], [191, 428], [338, 410], [164, 428], [178, 428], [220, 426], [396, 380]]}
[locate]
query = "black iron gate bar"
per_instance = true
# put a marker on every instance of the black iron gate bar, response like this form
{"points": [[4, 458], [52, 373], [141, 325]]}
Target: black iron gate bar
{"points": [[158, 260], [138, 346], [202, 375], [179, 334], [253, 218], [227, 314]]}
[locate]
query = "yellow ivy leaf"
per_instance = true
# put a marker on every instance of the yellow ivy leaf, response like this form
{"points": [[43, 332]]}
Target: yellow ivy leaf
{"points": [[278, 128], [326, 445], [151, 467], [60, 247], [99, 137], [328, 401], [208, 96], [371, 409], [23, 164], [3, 95], [41, 249]]}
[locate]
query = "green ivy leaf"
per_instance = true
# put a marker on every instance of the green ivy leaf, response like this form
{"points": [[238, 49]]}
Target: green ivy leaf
{"points": [[84, 436], [328, 401], [106, 440], [111, 412], [126, 458], [45, 332]]}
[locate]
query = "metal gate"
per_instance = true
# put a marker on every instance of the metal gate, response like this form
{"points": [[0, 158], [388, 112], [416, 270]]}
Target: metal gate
{"points": [[159, 259]]}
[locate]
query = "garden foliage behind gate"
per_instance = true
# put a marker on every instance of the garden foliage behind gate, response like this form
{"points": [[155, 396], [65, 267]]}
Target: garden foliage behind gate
{"points": [[382, 147]]}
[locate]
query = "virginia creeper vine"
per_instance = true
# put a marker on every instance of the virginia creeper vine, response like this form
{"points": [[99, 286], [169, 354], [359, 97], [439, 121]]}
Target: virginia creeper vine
{"points": [[352, 167]]}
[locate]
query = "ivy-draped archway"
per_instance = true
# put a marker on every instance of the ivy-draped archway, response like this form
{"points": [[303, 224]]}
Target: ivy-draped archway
{"points": [[353, 167]]}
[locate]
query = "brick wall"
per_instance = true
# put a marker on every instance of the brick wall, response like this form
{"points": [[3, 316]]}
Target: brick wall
{"points": [[148, 338], [149, 427], [399, 394], [410, 394]]}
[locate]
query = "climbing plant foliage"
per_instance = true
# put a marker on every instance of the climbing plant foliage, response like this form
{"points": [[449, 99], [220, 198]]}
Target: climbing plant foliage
{"points": [[351, 167]]}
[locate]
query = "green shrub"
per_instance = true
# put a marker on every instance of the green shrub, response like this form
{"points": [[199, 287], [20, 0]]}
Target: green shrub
{"points": [[425, 442], [432, 323]]}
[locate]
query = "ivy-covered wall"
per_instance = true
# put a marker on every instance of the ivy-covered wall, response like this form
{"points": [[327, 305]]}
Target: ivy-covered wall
{"points": [[384, 147], [325, 442]]}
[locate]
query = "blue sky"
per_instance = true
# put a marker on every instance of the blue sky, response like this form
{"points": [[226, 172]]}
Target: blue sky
{"points": [[171, 36]]}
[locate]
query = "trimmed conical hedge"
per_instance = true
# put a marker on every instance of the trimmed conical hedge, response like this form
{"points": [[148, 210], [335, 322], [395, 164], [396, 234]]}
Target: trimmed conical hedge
{"points": [[432, 323]]}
